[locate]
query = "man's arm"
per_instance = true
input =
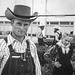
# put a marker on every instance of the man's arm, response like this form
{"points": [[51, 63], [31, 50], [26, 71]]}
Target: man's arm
{"points": [[2, 44], [4, 54], [56, 36], [36, 59]]}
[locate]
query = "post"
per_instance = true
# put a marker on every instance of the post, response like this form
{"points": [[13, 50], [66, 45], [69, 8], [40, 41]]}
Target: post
{"points": [[74, 28]]}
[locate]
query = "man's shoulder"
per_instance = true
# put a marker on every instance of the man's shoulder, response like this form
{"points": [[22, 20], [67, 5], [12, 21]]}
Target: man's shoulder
{"points": [[1, 40], [32, 44]]}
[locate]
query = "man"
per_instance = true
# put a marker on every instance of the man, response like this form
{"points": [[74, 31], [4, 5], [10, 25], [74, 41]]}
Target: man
{"points": [[42, 45], [40, 35], [18, 55], [58, 34]]}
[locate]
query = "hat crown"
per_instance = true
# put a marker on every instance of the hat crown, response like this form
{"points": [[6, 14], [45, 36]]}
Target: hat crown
{"points": [[22, 10]]}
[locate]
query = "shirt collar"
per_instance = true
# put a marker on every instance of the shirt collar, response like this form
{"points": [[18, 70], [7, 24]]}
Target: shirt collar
{"points": [[11, 39]]}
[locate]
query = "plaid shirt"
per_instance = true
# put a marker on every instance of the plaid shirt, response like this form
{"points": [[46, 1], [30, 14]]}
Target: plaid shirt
{"points": [[19, 48]]}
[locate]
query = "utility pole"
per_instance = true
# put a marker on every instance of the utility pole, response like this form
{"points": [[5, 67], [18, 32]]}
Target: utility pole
{"points": [[15, 2], [45, 17], [32, 13]]}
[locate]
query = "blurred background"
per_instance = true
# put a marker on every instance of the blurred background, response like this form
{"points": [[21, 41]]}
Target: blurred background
{"points": [[51, 13]]}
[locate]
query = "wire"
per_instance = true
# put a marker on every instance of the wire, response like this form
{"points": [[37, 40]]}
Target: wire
{"points": [[56, 15]]}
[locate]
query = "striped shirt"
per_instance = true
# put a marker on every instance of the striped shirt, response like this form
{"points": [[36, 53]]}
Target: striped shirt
{"points": [[19, 48]]}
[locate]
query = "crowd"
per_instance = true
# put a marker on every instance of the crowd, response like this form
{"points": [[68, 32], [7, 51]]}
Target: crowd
{"points": [[20, 56]]}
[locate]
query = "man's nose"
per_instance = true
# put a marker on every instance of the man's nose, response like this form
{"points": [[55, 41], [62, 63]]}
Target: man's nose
{"points": [[22, 27]]}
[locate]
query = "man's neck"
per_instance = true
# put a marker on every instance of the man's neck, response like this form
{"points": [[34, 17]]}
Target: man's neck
{"points": [[19, 38]]}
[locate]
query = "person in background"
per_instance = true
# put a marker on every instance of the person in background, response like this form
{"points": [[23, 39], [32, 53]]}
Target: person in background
{"points": [[62, 56], [71, 32], [42, 46], [40, 35], [57, 34], [18, 54]]}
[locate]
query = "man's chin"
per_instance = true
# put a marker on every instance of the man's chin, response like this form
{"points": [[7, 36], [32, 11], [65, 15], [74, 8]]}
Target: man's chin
{"points": [[21, 35]]}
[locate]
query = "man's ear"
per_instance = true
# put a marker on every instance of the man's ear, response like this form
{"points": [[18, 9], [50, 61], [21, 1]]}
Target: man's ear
{"points": [[12, 21]]}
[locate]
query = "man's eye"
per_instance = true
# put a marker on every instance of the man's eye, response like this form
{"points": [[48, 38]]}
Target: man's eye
{"points": [[25, 24], [19, 24]]}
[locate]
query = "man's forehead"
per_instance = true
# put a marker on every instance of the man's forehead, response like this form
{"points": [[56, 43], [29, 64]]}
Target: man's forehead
{"points": [[24, 21]]}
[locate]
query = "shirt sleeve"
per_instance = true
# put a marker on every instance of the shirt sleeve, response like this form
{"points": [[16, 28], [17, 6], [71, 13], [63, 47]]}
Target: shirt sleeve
{"points": [[56, 36], [4, 54], [36, 59], [2, 44]]}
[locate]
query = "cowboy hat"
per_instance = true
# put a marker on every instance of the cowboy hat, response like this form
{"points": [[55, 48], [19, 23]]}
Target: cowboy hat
{"points": [[57, 27], [21, 12]]}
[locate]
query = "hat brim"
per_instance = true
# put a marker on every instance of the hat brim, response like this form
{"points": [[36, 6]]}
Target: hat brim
{"points": [[10, 15], [56, 27]]}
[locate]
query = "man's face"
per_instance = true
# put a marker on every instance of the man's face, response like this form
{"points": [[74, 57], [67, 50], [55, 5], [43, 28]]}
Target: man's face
{"points": [[20, 27]]}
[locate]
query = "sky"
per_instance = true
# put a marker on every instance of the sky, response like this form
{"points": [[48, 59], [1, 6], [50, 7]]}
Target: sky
{"points": [[61, 6], [51, 7], [56, 6]]}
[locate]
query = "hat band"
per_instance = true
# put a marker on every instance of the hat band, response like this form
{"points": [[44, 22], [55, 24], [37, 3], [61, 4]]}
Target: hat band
{"points": [[26, 17]]}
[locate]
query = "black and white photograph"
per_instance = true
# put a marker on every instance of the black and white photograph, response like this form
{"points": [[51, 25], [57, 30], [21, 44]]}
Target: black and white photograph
{"points": [[37, 37]]}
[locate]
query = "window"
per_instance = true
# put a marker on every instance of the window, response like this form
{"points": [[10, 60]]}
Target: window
{"points": [[34, 35], [34, 22], [72, 23], [7, 22], [47, 36], [47, 22], [51, 36], [1, 21], [29, 34], [38, 22], [64, 23], [0, 33], [54, 22]]}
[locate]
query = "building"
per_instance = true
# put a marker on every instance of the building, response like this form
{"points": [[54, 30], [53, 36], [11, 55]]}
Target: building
{"points": [[45, 9], [66, 23]]}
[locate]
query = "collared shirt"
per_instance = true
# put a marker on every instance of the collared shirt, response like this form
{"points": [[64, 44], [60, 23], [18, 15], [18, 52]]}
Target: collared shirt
{"points": [[19, 48], [40, 33], [65, 49]]}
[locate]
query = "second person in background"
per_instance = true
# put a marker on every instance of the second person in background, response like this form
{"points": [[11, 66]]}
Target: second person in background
{"points": [[62, 56], [58, 34]]}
